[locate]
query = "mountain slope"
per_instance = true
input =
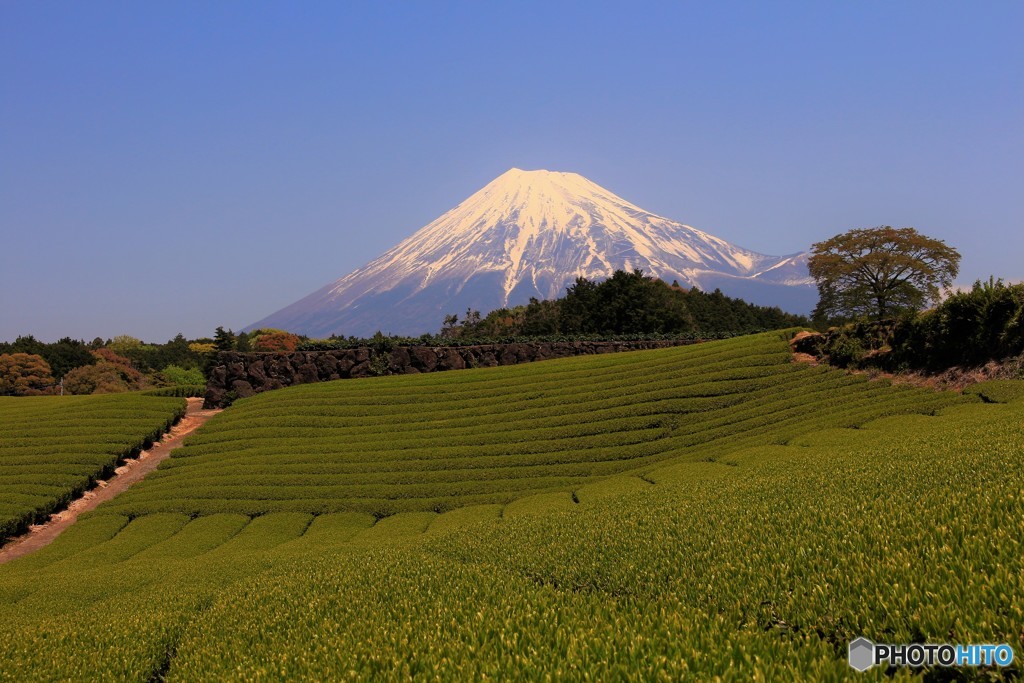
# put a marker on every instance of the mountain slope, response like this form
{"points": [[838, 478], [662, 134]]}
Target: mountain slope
{"points": [[532, 233]]}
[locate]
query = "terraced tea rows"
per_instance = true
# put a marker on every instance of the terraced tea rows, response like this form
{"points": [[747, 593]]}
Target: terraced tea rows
{"points": [[52, 448], [442, 441], [761, 565]]}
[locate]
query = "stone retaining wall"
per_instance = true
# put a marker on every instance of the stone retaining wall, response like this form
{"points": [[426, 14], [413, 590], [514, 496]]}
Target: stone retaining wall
{"points": [[238, 375]]}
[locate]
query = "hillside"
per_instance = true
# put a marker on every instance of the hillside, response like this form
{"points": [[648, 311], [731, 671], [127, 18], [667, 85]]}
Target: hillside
{"points": [[53, 448], [760, 515], [436, 442]]}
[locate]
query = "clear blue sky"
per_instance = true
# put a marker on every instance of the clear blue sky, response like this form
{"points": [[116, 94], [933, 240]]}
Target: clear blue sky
{"points": [[171, 167]]}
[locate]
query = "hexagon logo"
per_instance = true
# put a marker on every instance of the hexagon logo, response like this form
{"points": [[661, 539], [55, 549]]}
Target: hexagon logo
{"points": [[862, 654]]}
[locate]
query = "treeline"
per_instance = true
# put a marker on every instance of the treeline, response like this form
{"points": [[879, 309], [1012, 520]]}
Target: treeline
{"points": [[381, 343], [32, 367], [625, 307], [625, 304], [968, 329], [261, 340]]}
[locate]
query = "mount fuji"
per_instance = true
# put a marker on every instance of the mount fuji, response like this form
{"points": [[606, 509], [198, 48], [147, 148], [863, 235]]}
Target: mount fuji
{"points": [[531, 234]]}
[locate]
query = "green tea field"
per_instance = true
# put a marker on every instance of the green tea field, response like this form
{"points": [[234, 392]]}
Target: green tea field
{"points": [[435, 442], [53, 448], [695, 513]]}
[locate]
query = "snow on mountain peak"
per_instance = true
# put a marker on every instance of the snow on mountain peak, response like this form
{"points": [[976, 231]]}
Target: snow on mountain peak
{"points": [[526, 233]]}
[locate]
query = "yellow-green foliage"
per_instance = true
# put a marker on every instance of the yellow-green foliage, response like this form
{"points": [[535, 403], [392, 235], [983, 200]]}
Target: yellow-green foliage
{"points": [[760, 564], [998, 391], [54, 447], [438, 442]]}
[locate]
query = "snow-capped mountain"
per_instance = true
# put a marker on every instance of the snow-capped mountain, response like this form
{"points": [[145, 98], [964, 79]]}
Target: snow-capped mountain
{"points": [[531, 234]]}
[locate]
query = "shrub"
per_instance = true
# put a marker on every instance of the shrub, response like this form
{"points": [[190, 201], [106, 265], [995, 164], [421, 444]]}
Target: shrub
{"points": [[380, 364], [105, 377], [174, 375], [969, 328], [201, 348], [845, 350], [179, 391], [279, 342], [24, 374]]}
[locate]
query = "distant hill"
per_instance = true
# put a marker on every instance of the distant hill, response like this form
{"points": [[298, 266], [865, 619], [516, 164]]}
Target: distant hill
{"points": [[531, 234]]}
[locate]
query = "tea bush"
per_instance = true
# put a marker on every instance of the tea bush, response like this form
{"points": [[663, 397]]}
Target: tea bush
{"points": [[53, 448], [757, 538]]}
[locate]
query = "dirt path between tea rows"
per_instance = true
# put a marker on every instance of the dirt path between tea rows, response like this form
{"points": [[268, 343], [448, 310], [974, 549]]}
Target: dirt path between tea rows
{"points": [[132, 472]]}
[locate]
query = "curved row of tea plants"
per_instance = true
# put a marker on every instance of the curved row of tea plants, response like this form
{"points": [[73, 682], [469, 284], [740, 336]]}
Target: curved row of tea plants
{"points": [[761, 565], [437, 442], [382, 344], [52, 448], [179, 391]]}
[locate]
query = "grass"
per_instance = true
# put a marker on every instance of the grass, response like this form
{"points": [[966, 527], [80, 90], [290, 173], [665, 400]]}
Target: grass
{"points": [[756, 553], [52, 448]]}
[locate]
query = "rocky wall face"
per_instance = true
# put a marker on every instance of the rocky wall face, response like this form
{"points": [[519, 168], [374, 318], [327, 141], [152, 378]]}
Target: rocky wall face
{"points": [[239, 375]]}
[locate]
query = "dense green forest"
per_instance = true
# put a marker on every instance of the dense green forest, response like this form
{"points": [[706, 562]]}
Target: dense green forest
{"points": [[968, 329], [624, 304]]}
